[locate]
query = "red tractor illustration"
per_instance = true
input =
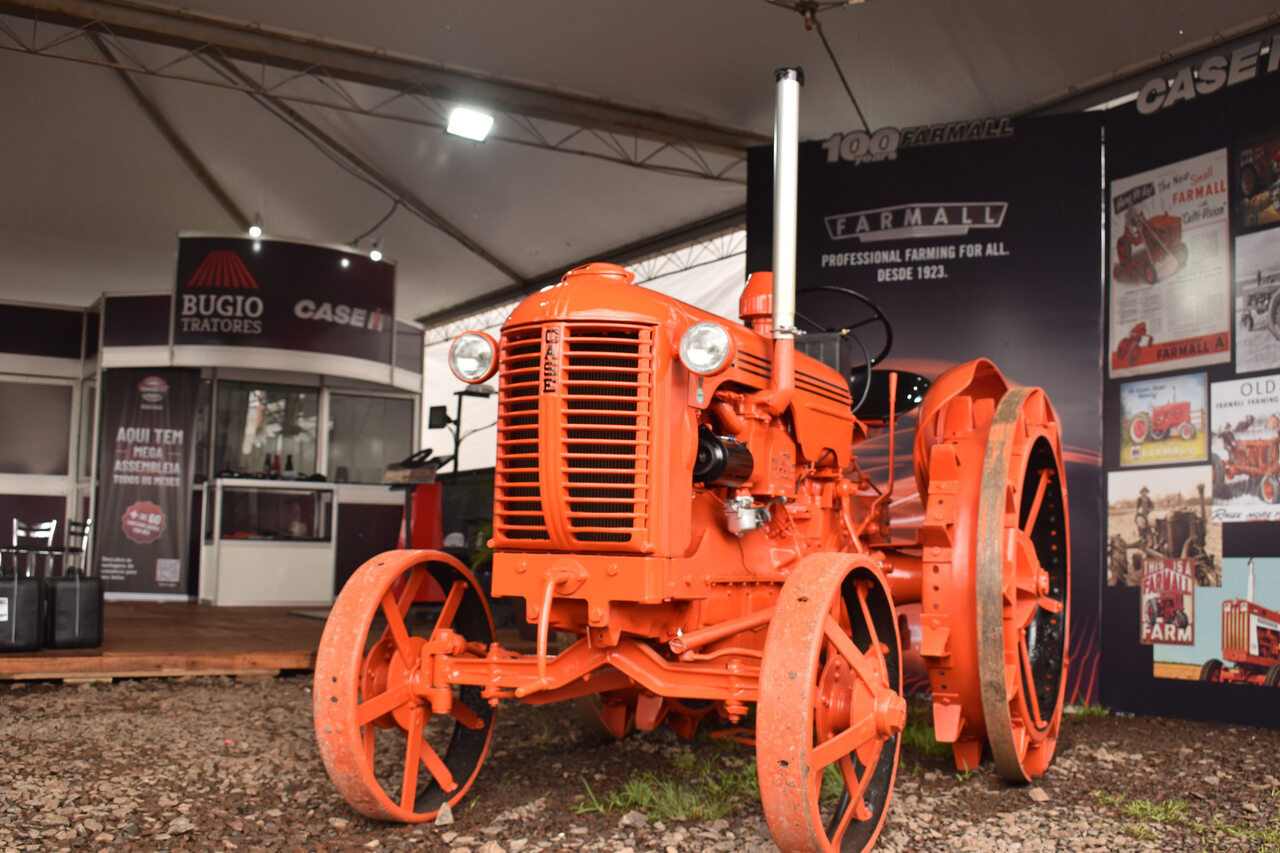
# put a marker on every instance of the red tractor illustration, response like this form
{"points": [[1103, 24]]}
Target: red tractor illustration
{"points": [[1250, 450], [679, 493], [1151, 248], [1128, 350], [1250, 643], [1167, 608], [1162, 422]]}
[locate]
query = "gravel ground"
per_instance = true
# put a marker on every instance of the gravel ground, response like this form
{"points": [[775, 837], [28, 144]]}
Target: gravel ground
{"points": [[231, 764]]}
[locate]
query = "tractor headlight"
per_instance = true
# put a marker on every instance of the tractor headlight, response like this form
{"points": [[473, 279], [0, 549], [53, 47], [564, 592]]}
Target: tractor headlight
{"points": [[473, 357], [706, 348]]}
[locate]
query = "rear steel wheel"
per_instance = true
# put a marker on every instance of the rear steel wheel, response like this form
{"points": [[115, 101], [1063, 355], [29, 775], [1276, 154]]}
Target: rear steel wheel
{"points": [[1272, 678], [391, 751], [1022, 584], [831, 707]]}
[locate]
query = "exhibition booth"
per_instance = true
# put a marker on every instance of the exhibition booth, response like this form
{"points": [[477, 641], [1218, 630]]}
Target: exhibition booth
{"points": [[237, 429]]}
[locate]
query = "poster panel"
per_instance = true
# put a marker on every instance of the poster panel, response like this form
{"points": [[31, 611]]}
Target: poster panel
{"points": [[1168, 601], [1170, 267], [1257, 301], [1164, 420], [1246, 442], [146, 456], [1161, 514], [233, 291]]}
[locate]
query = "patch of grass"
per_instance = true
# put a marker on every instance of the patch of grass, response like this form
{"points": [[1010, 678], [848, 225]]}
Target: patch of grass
{"points": [[1107, 799], [1165, 811], [1147, 815], [1087, 711], [710, 789], [966, 774]]}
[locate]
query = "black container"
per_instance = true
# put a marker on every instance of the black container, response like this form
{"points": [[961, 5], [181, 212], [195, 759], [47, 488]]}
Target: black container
{"points": [[21, 613], [75, 612]]}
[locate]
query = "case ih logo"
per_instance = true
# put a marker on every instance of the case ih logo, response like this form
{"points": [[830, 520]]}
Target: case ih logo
{"points": [[916, 220], [550, 360], [223, 268], [153, 389]]}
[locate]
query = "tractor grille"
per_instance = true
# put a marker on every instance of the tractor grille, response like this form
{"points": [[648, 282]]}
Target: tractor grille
{"points": [[1235, 627], [574, 437]]}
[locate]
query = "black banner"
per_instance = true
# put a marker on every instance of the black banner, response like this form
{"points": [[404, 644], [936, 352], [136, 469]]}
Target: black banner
{"points": [[984, 247], [145, 459], [268, 293]]}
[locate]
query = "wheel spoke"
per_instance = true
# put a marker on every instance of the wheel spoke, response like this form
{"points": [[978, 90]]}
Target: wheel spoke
{"points": [[1034, 512], [369, 733], [383, 703], [1030, 693], [437, 767], [396, 627], [844, 743], [462, 712], [410, 591], [856, 658], [1051, 605], [413, 742], [874, 645], [451, 604]]}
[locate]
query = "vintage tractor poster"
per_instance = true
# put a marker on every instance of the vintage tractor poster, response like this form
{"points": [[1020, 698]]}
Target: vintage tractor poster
{"points": [[1164, 420], [1167, 605], [1161, 514], [1245, 448], [1237, 638], [1169, 267], [1258, 175], [1257, 301]]}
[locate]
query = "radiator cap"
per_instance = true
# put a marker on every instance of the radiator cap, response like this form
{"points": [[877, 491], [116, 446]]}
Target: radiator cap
{"points": [[611, 272]]}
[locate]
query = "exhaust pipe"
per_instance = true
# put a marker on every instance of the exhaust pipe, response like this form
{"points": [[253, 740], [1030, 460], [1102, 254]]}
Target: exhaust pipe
{"points": [[786, 157]]}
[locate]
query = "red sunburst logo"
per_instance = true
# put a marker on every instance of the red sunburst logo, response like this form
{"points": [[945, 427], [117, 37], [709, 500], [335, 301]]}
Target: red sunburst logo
{"points": [[223, 268]]}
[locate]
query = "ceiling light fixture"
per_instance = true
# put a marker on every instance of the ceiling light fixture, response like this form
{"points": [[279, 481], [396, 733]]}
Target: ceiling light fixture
{"points": [[375, 254], [469, 123], [255, 230]]}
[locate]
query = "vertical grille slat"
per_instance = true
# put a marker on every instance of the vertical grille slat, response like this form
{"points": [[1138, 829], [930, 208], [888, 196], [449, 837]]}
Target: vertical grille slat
{"points": [[602, 445]]}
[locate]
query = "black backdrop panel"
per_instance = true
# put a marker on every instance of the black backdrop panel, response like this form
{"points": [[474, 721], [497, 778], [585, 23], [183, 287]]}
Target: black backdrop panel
{"points": [[982, 248]]}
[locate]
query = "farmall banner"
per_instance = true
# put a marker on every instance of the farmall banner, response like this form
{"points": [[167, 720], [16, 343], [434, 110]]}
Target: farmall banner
{"points": [[976, 239], [146, 455], [233, 291]]}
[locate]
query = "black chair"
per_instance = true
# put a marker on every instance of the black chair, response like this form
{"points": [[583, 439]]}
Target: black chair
{"points": [[76, 553], [32, 541]]}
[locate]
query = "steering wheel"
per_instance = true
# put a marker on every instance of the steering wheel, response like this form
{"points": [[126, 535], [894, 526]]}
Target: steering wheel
{"points": [[877, 317]]}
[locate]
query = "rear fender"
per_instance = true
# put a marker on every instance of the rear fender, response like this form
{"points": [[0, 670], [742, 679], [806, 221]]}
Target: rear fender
{"points": [[979, 379]]}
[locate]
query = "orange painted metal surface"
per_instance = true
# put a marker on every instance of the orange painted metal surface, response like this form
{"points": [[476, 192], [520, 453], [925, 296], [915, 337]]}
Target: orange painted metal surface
{"points": [[708, 542]]}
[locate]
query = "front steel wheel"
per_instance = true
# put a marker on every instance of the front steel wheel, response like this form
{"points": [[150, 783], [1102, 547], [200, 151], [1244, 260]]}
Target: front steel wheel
{"points": [[392, 752], [831, 707]]}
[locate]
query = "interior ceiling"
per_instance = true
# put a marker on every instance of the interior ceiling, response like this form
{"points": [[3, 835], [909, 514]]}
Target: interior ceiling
{"points": [[618, 123]]}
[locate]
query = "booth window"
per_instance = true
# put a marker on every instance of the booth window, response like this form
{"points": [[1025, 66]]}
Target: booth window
{"points": [[35, 428], [365, 434], [255, 423]]}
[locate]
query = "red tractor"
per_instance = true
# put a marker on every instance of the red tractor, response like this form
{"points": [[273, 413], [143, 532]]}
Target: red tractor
{"points": [[1257, 455], [1162, 422], [679, 494], [1250, 641], [1127, 352], [1151, 247], [1167, 608]]}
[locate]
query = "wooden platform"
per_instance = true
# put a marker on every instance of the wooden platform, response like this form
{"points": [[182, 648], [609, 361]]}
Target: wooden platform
{"points": [[145, 639]]}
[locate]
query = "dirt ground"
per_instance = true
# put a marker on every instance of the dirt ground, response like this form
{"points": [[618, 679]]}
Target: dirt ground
{"points": [[232, 764]]}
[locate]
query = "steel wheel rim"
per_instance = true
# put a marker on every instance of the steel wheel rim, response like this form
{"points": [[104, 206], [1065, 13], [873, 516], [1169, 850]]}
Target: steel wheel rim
{"points": [[830, 697], [1022, 585], [351, 727]]}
